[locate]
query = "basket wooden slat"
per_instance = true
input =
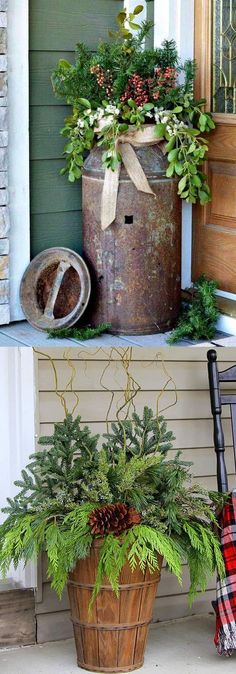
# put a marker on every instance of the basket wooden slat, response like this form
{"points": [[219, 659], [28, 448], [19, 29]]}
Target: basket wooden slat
{"points": [[113, 637]]}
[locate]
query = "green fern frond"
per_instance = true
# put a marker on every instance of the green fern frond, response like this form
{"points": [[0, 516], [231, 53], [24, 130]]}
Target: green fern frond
{"points": [[193, 535], [111, 561], [146, 540]]}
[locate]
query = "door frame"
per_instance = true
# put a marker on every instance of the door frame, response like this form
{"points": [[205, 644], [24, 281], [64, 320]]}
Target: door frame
{"points": [[18, 127], [173, 19], [202, 52], [18, 405]]}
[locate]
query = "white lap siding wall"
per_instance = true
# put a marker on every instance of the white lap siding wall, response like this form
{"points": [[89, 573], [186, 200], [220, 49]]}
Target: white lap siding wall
{"points": [[190, 420], [4, 213]]}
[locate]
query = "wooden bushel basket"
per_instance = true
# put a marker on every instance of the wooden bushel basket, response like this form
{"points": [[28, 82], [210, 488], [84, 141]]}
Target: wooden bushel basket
{"points": [[113, 637]]}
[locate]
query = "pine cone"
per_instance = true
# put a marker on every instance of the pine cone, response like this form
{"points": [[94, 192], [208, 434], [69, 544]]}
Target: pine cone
{"points": [[113, 518]]}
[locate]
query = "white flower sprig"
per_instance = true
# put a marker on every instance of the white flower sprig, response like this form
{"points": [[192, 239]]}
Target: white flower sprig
{"points": [[181, 127]]}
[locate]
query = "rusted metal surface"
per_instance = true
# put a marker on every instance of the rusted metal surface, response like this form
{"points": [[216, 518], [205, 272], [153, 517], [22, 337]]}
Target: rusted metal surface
{"points": [[135, 264], [55, 289]]}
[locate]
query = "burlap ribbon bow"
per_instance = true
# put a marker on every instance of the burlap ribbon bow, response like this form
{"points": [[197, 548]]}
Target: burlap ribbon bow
{"points": [[125, 146]]}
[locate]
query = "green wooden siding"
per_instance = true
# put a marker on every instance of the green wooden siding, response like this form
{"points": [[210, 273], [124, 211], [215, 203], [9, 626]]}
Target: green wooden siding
{"points": [[150, 17], [55, 28]]}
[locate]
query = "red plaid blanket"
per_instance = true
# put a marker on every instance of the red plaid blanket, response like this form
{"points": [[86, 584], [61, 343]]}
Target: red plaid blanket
{"points": [[225, 606]]}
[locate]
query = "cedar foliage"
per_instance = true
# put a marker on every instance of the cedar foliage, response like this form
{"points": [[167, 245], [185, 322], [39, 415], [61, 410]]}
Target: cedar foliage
{"points": [[66, 481]]}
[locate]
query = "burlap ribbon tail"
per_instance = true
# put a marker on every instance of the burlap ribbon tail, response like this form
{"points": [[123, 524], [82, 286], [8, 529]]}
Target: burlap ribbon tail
{"points": [[125, 146]]}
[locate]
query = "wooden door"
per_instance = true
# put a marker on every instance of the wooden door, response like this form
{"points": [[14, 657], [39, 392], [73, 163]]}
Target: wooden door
{"points": [[214, 230], [55, 28]]}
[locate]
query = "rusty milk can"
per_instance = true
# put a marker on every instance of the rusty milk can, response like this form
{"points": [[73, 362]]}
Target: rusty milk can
{"points": [[135, 264]]}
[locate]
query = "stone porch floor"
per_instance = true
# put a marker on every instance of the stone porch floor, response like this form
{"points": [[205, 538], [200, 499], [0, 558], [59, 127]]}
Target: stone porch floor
{"points": [[180, 647], [23, 334]]}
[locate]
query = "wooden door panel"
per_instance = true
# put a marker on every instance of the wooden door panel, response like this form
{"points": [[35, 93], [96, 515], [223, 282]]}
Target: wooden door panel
{"points": [[222, 208], [217, 254], [222, 142], [214, 226]]}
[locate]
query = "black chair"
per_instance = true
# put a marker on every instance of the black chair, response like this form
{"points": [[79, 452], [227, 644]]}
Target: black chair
{"points": [[217, 400]]}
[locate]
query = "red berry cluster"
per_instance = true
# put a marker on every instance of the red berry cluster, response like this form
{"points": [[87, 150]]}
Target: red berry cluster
{"points": [[103, 77], [144, 90], [164, 79], [137, 89]]}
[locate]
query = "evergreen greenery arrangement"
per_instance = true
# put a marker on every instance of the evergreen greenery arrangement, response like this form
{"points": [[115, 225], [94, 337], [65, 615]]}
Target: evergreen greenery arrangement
{"points": [[198, 319], [129, 493], [122, 85], [82, 334]]}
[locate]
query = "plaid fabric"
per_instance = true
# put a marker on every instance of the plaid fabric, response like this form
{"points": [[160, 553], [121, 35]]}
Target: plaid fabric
{"points": [[225, 606]]}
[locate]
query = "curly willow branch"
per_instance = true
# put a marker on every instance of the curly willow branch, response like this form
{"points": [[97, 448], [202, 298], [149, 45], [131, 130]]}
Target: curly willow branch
{"points": [[131, 389], [170, 380], [69, 385], [132, 386]]}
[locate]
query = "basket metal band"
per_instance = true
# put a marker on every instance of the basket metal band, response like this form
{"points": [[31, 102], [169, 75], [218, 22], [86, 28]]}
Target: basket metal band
{"points": [[110, 628], [131, 586]]}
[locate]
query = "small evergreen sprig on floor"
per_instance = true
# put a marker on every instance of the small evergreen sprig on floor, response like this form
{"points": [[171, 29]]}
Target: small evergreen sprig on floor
{"points": [[81, 334], [198, 320], [69, 488]]}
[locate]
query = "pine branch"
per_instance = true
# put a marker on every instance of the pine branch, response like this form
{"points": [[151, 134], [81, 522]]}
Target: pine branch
{"points": [[82, 334], [199, 320], [56, 473], [69, 479]]}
